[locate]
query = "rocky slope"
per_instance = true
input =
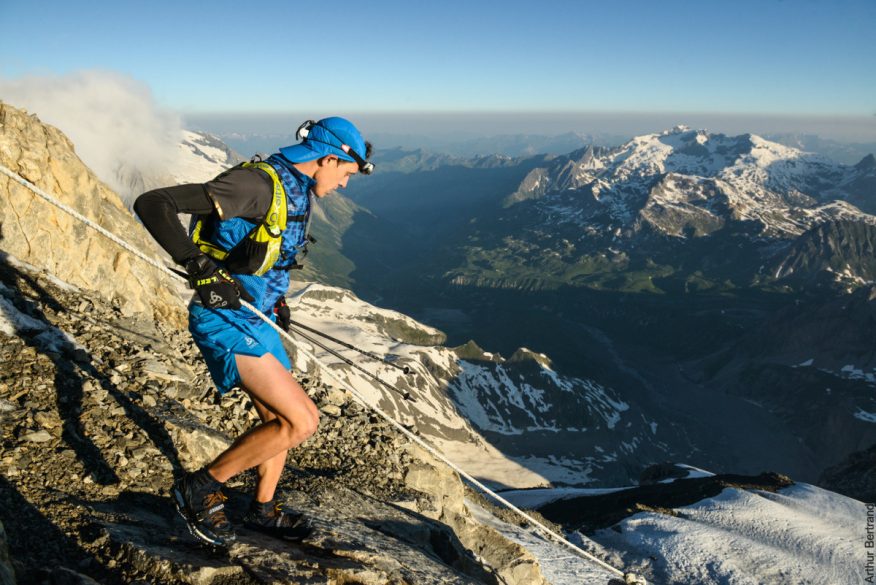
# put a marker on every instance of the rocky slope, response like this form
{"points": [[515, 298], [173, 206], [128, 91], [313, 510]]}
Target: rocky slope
{"points": [[854, 477], [833, 252], [100, 411], [811, 366]]}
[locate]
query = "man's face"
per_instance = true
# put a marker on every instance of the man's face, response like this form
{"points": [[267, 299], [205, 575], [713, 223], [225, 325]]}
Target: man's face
{"points": [[332, 174]]}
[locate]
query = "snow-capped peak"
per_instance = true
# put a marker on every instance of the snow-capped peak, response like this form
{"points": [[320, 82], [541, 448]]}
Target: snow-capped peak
{"points": [[667, 178]]}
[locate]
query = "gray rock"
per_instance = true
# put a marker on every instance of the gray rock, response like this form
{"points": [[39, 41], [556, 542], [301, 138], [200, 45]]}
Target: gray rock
{"points": [[154, 367], [47, 420], [331, 410], [337, 397], [356, 539], [197, 445], [142, 452], [38, 436], [445, 500]]}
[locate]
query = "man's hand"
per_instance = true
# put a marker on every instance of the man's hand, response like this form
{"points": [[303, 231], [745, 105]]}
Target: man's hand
{"points": [[284, 316], [217, 288]]}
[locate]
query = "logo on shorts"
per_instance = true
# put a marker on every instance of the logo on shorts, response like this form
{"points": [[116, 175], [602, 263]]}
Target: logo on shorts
{"points": [[250, 341]]}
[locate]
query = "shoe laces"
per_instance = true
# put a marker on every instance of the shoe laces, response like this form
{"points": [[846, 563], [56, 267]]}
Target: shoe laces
{"points": [[281, 517], [214, 508]]}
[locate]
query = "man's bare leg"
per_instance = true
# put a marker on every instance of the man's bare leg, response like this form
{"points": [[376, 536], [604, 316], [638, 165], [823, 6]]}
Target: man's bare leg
{"points": [[269, 471], [296, 418]]}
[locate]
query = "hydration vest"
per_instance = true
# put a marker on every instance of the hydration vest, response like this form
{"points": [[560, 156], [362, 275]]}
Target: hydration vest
{"points": [[267, 242]]}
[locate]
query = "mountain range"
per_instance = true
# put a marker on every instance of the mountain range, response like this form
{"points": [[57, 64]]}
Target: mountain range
{"points": [[682, 205]]}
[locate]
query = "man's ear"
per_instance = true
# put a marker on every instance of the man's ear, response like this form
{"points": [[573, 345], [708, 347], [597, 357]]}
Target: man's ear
{"points": [[327, 158]]}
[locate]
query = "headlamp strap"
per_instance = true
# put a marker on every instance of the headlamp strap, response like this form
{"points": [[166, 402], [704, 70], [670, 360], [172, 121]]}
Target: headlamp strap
{"points": [[304, 131]]}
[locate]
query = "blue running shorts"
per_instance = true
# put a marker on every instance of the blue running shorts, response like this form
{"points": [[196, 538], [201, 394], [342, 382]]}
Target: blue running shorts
{"points": [[221, 334]]}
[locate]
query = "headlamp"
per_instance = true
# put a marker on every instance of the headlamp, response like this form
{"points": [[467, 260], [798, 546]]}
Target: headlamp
{"points": [[365, 167], [304, 129]]}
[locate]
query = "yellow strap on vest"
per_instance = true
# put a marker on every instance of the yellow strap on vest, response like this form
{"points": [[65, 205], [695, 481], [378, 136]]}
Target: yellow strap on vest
{"points": [[276, 216], [205, 246], [268, 234]]}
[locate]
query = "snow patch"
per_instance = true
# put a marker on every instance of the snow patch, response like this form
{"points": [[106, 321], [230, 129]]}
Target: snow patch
{"points": [[802, 534], [865, 416], [15, 323]]}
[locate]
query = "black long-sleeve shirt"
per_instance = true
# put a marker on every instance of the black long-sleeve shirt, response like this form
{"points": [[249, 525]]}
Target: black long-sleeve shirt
{"points": [[238, 192]]}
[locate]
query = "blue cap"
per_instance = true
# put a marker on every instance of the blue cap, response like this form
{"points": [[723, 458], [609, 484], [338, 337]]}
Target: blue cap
{"points": [[325, 138]]}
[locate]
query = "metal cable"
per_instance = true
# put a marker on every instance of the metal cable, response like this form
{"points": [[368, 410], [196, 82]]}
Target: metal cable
{"points": [[404, 369], [403, 393]]}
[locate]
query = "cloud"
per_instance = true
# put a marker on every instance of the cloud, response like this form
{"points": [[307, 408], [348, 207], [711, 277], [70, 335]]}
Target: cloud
{"points": [[116, 126]]}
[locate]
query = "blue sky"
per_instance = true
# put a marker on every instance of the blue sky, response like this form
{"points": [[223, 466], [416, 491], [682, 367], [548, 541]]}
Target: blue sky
{"points": [[793, 57]]}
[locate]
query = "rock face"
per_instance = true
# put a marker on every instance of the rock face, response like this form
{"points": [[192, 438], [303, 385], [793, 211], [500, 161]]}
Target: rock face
{"points": [[855, 477], [829, 252], [33, 230], [428, 476], [99, 411]]}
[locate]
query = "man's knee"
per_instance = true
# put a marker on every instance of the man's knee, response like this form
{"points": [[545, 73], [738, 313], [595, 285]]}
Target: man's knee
{"points": [[298, 429], [311, 423]]}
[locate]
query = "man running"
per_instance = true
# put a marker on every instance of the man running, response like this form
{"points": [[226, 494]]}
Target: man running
{"points": [[248, 224]]}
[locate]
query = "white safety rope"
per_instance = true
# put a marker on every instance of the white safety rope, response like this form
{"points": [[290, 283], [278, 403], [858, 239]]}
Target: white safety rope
{"points": [[629, 578]]}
